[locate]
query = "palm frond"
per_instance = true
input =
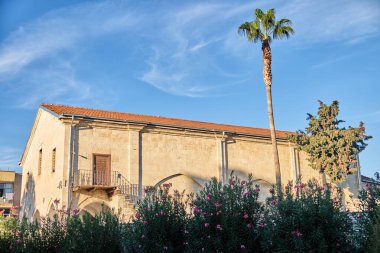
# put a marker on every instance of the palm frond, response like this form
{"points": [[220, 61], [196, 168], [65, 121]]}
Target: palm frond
{"points": [[283, 28], [265, 27], [268, 22], [251, 30], [259, 14]]}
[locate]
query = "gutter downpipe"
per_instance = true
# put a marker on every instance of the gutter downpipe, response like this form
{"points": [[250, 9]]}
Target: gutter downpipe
{"points": [[71, 163]]}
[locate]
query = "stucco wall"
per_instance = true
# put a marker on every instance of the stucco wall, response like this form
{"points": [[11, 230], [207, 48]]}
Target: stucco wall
{"points": [[39, 191]]}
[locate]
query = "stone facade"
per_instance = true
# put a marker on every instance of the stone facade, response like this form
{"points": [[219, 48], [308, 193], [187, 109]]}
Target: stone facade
{"points": [[141, 154]]}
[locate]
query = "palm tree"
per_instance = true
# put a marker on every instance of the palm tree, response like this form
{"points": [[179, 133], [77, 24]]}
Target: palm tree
{"points": [[265, 28]]}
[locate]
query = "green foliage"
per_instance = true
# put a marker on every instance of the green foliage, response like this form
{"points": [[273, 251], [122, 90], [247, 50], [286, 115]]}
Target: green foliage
{"points": [[220, 218], [307, 218], [159, 224], [332, 150], [226, 218], [265, 27], [62, 233], [368, 217]]}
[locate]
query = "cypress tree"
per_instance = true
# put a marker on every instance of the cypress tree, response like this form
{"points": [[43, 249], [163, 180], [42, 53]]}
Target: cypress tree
{"points": [[332, 150]]}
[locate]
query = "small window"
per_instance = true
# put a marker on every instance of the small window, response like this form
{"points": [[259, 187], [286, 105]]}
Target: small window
{"points": [[53, 160], [40, 162]]}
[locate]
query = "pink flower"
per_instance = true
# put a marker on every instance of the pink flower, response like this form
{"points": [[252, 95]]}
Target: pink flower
{"points": [[167, 185], [208, 198], [245, 216], [207, 225], [242, 246], [209, 194], [245, 194], [137, 215], [297, 233], [249, 225], [15, 207], [274, 201], [218, 213], [262, 225], [257, 190], [232, 182], [145, 222], [75, 211], [217, 204], [219, 227], [143, 237], [197, 210]]}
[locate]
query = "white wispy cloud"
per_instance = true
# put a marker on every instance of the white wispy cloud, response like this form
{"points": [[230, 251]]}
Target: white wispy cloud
{"points": [[183, 44], [180, 65], [9, 157], [331, 21], [36, 57]]}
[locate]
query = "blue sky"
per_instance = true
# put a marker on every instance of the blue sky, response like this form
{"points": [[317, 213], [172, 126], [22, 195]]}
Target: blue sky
{"points": [[184, 59]]}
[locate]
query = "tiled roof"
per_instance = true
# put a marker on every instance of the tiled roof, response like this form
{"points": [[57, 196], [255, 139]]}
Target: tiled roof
{"points": [[71, 110]]}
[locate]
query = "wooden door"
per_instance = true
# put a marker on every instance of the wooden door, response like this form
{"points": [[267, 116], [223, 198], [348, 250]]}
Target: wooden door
{"points": [[102, 169]]}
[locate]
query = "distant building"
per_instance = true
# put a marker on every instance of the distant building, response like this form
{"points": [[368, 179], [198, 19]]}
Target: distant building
{"points": [[367, 181], [10, 191], [89, 159]]}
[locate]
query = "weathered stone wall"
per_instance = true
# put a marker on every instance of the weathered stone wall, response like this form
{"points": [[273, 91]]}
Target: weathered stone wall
{"points": [[147, 155]]}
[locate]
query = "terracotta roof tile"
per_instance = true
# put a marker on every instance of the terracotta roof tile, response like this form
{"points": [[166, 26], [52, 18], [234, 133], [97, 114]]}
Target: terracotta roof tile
{"points": [[70, 110]]}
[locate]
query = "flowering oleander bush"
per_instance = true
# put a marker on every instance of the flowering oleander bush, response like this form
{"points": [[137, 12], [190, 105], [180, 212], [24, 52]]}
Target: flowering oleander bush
{"points": [[307, 218], [220, 218], [368, 218], [159, 224], [226, 218], [65, 232]]}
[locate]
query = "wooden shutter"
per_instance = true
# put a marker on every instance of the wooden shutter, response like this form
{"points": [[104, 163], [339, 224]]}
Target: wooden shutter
{"points": [[102, 169], [39, 162], [53, 160]]}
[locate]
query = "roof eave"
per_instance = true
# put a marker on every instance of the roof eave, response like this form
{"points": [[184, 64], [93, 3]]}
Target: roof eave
{"points": [[69, 115]]}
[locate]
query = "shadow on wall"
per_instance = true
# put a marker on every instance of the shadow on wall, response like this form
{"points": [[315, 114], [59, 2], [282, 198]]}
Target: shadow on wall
{"points": [[28, 199], [192, 183]]}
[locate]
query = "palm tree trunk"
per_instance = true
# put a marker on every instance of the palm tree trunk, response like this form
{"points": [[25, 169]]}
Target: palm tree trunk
{"points": [[267, 75]]}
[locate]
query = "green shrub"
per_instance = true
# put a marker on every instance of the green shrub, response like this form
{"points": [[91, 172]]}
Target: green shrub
{"points": [[307, 218], [159, 223], [101, 233], [62, 233], [226, 218], [368, 218]]}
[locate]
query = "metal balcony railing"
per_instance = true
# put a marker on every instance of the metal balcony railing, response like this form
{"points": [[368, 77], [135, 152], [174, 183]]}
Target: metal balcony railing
{"points": [[5, 201], [86, 178]]}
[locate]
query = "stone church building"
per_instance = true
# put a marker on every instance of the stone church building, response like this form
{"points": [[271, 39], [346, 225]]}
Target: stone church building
{"points": [[90, 159]]}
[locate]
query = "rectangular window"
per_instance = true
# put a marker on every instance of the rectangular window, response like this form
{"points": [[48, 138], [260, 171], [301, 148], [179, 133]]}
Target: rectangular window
{"points": [[53, 160], [40, 162]]}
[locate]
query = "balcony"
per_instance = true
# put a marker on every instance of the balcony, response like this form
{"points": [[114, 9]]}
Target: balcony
{"points": [[110, 182], [5, 203]]}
